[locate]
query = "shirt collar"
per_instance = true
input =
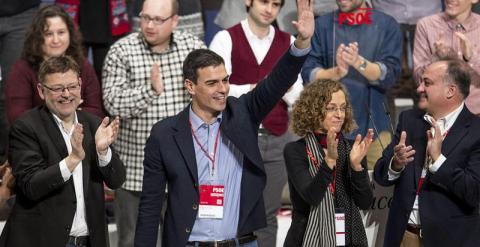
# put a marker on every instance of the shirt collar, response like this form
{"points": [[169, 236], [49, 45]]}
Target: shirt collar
{"points": [[197, 122], [464, 26], [147, 46], [446, 122], [60, 123], [248, 32]]}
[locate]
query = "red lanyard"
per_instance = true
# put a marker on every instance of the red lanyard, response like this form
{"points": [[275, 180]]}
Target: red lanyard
{"points": [[315, 163], [422, 178], [212, 159]]}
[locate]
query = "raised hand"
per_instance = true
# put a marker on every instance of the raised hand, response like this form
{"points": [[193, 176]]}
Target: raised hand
{"points": [[332, 150], [106, 134], [402, 154], [434, 144], [465, 46], [359, 150], [305, 24], [156, 79]]}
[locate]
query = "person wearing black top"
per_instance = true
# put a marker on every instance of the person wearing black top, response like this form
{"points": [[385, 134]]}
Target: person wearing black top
{"points": [[326, 172]]}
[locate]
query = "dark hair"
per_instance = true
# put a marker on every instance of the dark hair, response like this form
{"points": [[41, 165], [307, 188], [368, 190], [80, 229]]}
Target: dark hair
{"points": [[282, 2], [197, 59], [459, 73], [54, 65], [32, 48]]}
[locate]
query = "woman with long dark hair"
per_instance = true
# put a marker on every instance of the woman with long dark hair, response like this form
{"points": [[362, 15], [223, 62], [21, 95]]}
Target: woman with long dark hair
{"points": [[52, 33]]}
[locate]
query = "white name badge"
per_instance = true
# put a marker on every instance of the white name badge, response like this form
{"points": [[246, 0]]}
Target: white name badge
{"points": [[340, 227], [211, 201]]}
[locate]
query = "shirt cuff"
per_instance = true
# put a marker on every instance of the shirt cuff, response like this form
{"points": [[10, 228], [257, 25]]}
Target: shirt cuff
{"points": [[437, 164], [103, 160], [312, 74], [66, 174], [383, 71], [393, 175], [299, 52]]}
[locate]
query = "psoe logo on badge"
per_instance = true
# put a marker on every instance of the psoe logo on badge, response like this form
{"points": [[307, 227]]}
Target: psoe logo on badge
{"points": [[359, 17]]}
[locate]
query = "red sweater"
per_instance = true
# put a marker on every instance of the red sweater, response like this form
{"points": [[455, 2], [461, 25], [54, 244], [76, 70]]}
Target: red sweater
{"points": [[245, 69], [21, 90]]}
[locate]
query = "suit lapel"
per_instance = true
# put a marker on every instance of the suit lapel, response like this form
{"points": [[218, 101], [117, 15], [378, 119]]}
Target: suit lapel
{"points": [[456, 133], [88, 143], [184, 141], [419, 142], [52, 129]]}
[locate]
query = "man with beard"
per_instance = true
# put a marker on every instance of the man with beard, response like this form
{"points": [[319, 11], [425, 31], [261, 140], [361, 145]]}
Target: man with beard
{"points": [[365, 57], [434, 164], [250, 49]]}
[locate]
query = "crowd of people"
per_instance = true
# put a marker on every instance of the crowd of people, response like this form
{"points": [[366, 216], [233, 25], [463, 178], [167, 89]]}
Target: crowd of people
{"points": [[199, 143]]}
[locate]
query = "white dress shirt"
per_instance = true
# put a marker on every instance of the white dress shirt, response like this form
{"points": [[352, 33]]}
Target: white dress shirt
{"points": [[444, 124], [79, 225], [222, 45]]}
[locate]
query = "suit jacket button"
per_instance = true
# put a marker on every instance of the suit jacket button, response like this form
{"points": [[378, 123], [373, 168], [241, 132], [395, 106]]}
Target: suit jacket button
{"points": [[187, 230], [194, 206]]}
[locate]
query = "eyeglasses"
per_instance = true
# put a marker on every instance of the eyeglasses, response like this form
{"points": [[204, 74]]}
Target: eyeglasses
{"points": [[334, 109], [61, 89], [156, 20]]}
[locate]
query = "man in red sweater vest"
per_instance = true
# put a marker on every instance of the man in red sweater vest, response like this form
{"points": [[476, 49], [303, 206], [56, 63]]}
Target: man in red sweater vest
{"points": [[250, 49]]}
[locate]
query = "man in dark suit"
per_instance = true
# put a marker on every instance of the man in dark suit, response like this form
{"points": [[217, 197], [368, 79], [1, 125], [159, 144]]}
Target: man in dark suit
{"points": [[61, 159], [208, 154], [434, 163]]}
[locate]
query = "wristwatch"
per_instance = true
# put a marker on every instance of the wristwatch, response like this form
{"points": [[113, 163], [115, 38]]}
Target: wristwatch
{"points": [[363, 65]]}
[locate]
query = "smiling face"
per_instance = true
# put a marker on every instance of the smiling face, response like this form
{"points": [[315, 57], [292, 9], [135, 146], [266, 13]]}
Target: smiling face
{"points": [[434, 93], [335, 112], [56, 37], [209, 93], [459, 9], [263, 12], [63, 103]]}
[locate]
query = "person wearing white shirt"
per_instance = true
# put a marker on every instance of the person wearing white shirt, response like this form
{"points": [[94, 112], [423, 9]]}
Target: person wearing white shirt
{"points": [[434, 164], [61, 158]]}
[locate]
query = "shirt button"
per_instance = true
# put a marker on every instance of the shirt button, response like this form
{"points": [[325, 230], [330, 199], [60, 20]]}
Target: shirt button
{"points": [[194, 206], [187, 230]]}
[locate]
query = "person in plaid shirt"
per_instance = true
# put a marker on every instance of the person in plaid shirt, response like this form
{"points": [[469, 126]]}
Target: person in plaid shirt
{"points": [[142, 84]]}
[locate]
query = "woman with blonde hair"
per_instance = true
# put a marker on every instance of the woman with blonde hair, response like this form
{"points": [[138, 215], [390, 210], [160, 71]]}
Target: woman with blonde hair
{"points": [[327, 174]]}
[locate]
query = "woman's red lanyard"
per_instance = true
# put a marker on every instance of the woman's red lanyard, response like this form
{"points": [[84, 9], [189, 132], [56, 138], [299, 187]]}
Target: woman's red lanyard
{"points": [[331, 185], [422, 178], [211, 158]]}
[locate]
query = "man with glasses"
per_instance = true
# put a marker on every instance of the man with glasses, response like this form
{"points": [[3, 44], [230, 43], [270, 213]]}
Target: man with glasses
{"points": [[61, 159], [142, 83]]}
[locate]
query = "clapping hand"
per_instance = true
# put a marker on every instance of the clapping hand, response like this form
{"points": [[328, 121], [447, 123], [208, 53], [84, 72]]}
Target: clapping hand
{"points": [[341, 69], [434, 144], [359, 150], [332, 148], [402, 154], [106, 134]]}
